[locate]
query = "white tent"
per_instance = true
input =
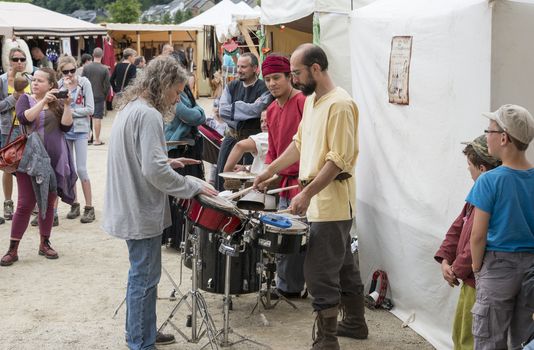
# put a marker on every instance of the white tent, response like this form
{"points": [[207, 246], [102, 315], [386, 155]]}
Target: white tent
{"points": [[468, 56], [220, 16], [23, 19], [333, 22]]}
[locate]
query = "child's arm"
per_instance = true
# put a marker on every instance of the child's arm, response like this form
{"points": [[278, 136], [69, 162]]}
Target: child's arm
{"points": [[478, 238], [242, 147]]}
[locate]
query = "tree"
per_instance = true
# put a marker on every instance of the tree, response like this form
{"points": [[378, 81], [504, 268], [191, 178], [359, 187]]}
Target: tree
{"points": [[187, 15], [178, 17], [124, 11], [166, 18]]}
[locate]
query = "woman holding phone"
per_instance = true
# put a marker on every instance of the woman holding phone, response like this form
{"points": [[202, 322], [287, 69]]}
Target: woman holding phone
{"points": [[42, 112]]}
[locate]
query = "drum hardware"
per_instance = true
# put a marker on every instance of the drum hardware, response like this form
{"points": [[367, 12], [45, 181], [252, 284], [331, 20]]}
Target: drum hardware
{"points": [[171, 297], [257, 201], [199, 306], [228, 247], [268, 267]]}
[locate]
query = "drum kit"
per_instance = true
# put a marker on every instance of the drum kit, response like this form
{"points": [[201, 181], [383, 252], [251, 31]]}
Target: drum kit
{"points": [[230, 247]]}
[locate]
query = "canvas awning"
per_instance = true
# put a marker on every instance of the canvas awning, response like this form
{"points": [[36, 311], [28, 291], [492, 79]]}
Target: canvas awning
{"points": [[23, 19]]}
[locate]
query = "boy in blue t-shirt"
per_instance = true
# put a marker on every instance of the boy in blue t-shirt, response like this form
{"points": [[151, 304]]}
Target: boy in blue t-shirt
{"points": [[502, 238]]}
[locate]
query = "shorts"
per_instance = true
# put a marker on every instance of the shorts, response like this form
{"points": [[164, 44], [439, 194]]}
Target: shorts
{"points": [[3, 138], [99, 109]]}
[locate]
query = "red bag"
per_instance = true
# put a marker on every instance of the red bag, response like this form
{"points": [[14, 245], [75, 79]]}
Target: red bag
{"points": [[11, 154]]}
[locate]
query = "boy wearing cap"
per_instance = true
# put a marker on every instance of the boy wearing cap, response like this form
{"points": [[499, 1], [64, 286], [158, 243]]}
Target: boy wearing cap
{"points": [[454, 254], [502, 238]]}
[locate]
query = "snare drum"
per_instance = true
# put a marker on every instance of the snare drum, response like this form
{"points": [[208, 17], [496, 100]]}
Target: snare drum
{"points": [[215, 214], [289, 240]]}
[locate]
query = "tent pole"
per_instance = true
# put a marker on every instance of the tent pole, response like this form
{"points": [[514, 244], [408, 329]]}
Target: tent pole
{"points": [[170, 38], [138, 42]]}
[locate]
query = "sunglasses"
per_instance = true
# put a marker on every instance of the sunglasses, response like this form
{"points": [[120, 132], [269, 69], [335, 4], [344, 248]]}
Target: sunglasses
{"points": [[67, 71], [18, 59]]}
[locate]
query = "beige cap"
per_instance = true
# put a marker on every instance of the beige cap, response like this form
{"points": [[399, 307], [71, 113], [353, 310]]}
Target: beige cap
{"points": [[515, 120]]}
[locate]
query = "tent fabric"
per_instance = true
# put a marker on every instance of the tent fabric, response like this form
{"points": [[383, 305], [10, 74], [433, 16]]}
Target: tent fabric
{"points": [[220, 16], [411, 174], [278, 12], [27, 19]]}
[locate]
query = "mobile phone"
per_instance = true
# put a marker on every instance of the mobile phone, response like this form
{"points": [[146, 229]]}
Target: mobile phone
{"points": [[61, 94]]}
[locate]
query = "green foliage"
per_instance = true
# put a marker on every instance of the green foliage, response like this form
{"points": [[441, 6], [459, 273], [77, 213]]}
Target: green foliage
{"points": [[124, 11], [178, 17], [166, 18], [18, 1]]}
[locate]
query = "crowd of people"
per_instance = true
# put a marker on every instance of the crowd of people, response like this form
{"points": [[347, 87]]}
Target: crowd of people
{"points": [[294, 123]]}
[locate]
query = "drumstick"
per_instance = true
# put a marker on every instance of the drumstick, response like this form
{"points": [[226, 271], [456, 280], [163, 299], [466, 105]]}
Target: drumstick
{"points": [[239, 193], [284, 211], [282, 189]]}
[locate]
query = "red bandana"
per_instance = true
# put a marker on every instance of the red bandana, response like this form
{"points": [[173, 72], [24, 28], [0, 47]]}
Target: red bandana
{"points": [[275, 64]]}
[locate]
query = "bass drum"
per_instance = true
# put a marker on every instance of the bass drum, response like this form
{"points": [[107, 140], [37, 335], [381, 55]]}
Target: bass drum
{"points": [[243, 276]]}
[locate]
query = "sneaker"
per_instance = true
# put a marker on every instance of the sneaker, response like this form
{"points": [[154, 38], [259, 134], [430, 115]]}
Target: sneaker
{"points": [[164, 339], [8, 209], [88, 215], [74, 211]]}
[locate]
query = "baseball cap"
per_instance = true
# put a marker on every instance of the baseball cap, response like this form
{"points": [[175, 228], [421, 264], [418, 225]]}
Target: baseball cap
{"points": [[480, 145], [515, 120]]}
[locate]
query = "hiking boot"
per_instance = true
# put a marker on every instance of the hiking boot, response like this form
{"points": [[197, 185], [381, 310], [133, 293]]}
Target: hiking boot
{"points": [[74, 211], [353, 323], [8, 209], [46, 250], [11, 255], [56, 220], [164, 339], [326, 338], [88, 215], [35, 220]]}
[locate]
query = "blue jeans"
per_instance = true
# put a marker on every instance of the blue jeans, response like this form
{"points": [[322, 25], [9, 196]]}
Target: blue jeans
{"points": [[141, 294]]}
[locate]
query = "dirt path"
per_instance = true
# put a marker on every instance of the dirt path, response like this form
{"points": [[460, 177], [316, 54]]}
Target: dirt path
{"points": [[69, 303]]}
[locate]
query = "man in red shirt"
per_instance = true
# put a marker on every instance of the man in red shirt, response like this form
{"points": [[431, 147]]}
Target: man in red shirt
{"points": [[283, 119]]}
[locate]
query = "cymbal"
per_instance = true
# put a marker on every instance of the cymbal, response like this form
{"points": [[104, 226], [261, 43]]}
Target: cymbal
{"points": [[238, 175], [180, 143]]}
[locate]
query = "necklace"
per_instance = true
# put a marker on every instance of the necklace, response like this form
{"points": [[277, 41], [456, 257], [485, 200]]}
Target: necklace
{"points": [[288, 98]]}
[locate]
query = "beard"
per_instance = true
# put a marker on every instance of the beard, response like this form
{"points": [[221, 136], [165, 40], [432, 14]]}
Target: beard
{"points": [[308, 88]]}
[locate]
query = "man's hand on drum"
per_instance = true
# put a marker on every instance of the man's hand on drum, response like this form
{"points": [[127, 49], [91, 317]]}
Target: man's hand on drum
{"points": [[260, 181], [299, 204], [176, 163]]}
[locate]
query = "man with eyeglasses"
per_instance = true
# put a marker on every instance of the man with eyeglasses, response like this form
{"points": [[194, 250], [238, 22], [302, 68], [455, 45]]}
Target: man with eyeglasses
{"points": [[8, 100], [326, 144], [240, 107]]}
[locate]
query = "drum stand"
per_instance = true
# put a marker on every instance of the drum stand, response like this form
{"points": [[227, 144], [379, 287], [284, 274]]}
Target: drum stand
{"points": [[199, 306], [264, 295], [230, 250]]}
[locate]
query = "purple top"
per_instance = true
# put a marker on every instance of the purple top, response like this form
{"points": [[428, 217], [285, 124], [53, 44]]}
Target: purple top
{"points": [[52, 133]]}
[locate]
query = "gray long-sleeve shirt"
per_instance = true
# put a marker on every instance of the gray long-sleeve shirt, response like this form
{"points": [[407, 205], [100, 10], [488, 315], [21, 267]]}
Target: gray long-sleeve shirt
{"points": [[139, 178]]}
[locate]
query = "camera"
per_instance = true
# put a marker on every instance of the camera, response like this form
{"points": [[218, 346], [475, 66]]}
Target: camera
{"points": [[61, 94]]}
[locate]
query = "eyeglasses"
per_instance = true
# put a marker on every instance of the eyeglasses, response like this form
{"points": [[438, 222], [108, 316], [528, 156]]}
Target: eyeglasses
{"points": [[67, 71], [18, 59], [296, 72], [493, 131]]}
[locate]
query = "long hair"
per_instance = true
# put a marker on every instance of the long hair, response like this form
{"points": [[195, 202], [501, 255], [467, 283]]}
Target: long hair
{"points": [[52, 80], [160, 75]]}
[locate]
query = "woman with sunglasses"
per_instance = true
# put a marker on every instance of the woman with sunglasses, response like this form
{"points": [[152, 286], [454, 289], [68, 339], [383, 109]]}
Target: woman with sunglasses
{"points": [[8, 99], [82, 106], [43, 113]]}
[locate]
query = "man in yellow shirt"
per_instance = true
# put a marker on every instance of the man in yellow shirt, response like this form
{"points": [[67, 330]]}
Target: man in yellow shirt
{"points": [[327, 145]]}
